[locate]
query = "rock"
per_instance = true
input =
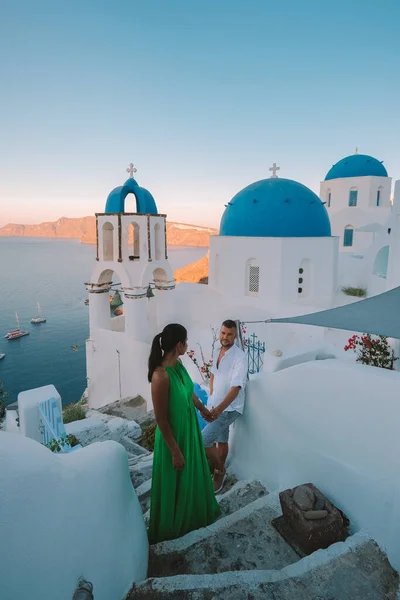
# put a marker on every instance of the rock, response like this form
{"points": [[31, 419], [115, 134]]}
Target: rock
{"points": [[319, 500], [303, 497], [131, 408], [146, 420], [315, 515], [311, 535]]}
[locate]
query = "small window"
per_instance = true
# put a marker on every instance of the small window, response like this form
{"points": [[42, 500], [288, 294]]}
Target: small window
{"points": [[378, 198], [329, 199], [353, 197], [348, 236], [254, 279]]}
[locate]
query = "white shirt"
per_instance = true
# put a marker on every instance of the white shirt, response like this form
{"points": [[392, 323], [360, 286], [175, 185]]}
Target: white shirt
{"points": [[231, 372]]}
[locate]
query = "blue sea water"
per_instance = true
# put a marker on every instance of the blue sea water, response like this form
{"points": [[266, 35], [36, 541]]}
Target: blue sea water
{"points": [[51, 272]]}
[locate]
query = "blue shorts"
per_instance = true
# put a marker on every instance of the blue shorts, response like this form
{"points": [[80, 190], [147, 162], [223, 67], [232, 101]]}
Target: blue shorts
{"points": [[218, 431]]}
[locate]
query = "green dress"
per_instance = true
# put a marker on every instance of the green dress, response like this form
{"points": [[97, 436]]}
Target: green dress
{"points": [[181, 501]]}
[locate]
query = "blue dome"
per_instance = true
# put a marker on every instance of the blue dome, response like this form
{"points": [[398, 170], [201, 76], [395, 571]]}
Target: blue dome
{"points": [[275, 207], [145, 203], [357, 165]]}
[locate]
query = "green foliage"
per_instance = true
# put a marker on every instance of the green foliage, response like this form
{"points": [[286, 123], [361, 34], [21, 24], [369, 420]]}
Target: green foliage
{"points": [[56, 445], [355, 291], [148, 438], [372, 350], [3, 396], [73, 412]]}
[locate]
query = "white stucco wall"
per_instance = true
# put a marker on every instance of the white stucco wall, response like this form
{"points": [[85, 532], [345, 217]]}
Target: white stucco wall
{"points": [[68, 516], [334, 424], [279, 260], [116, 368]]}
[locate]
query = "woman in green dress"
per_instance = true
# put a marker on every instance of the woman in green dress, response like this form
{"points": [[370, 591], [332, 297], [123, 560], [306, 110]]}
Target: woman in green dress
{"points": [[182, 494]]}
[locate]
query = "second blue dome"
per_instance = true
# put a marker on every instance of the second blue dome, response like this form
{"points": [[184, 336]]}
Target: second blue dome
{"points": [[275, 207], [357, 165]]}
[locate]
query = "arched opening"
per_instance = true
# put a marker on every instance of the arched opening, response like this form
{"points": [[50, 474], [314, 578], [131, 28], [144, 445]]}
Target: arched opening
{"points": [[252, 277], [158, 241], [134, 241], [328, 198], [160, 278], [381, 262], [130, 204], [108, 241], [304, 278], [108, 304], [379, 196], [348, 236], [353, 197]]}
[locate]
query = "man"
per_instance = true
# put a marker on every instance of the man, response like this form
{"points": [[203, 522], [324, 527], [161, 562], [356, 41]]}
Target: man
{"points": [[226, 401]]}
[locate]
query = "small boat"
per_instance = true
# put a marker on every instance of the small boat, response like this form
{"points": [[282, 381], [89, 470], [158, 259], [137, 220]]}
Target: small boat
{"points": [[39, 318], [16, 333], [2, 355], [86, 301]]}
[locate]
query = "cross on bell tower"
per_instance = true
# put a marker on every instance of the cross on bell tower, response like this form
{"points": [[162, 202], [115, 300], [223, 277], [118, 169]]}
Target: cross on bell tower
{"points": [[274, 169], [131, 170]]}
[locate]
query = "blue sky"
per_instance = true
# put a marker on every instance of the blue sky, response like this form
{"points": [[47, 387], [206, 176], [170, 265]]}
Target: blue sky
{"points": [[201, 95]]}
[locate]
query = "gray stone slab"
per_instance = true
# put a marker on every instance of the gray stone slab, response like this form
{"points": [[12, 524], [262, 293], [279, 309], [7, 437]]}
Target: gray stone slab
{"points": [[140, 473], [346, 571], [240, 495], [226, 545]]}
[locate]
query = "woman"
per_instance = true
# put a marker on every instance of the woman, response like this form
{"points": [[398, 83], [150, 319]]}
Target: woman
{"points": [[182, 494]]}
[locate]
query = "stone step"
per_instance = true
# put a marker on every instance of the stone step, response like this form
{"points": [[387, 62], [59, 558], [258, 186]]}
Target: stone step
{"points": [[143, 493], [352, 570], [240, 541], [140, 472], [241, 494]]}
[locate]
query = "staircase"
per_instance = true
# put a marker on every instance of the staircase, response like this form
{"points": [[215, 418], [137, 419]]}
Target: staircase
{"points": [[242, 557]]}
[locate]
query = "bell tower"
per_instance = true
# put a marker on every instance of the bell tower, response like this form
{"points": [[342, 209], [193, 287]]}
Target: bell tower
{"points": [[131, 249]]}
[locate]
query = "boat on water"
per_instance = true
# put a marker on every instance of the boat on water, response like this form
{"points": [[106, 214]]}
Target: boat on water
{"points": [[86, 301], [16, 333], [39, 318], [2, 355]]}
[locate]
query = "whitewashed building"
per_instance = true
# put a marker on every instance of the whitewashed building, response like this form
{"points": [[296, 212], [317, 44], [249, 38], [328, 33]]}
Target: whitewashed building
{"points": [[356, 192]]}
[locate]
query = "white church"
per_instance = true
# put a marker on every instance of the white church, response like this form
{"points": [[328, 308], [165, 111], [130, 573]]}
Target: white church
{"points": [[312, 415], [281, 251]]}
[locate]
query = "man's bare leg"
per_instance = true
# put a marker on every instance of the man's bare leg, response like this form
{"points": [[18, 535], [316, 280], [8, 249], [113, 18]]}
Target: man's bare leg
{"points": [[223, 450]]}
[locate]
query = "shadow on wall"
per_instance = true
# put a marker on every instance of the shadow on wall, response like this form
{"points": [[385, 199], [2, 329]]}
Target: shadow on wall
{"points": [[334, 424], [70, 527]]}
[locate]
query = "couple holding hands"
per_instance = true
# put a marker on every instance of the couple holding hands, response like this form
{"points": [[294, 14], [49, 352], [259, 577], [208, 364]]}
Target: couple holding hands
{"points": [[189, 465]]}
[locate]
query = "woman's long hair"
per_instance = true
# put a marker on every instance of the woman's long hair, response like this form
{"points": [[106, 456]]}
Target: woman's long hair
{"points": [[163, 343]]}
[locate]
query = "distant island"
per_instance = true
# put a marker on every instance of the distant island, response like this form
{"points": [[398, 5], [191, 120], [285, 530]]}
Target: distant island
{"points": [[84, 229]]}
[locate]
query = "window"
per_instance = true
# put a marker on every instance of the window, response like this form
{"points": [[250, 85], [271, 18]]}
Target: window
{"points": [[108, 241], [134, 241], [158, 241], [329, 198], [253, 278], [348, 236], [378, 197], [353, 197], [304, 278]]}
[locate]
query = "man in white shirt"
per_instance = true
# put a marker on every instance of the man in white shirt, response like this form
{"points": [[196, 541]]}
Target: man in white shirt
{"points": [[226, 402]]}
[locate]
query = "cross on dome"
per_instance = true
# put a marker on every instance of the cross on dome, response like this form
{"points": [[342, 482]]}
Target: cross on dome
{"points": [[274, 169], [356, 149], [131, 170]]}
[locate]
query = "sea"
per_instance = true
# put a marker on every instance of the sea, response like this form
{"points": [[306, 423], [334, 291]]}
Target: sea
{"points": [[51, 272]]}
